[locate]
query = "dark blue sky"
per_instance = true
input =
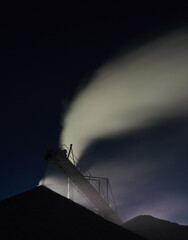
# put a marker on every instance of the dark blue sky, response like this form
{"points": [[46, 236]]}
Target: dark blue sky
{"points": [[47, 54]]}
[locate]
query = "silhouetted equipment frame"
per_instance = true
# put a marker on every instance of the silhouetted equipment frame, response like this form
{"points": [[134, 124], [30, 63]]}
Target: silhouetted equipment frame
{"points": [[61, 160]]}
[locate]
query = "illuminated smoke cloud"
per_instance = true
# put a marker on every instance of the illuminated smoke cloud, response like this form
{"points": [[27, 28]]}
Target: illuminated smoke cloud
{"points": [[130, 92]]}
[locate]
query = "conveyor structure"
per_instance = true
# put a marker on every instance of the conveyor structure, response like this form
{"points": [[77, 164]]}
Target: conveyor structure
{"points": [[61, 160]]}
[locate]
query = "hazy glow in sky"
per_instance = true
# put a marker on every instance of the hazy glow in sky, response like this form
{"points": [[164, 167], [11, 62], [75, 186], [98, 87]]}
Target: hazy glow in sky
{"points": [[140, 188], [132, 91]]}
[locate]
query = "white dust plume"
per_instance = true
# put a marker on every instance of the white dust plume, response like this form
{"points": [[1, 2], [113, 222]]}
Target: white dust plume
{"points": [[133, 91]]}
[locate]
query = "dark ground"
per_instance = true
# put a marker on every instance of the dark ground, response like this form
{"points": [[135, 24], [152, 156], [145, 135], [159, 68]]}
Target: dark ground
{"points": [[43, 214]]}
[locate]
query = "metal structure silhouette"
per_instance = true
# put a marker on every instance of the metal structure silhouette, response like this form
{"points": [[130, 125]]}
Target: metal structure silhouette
{"points": [[61, 159]]}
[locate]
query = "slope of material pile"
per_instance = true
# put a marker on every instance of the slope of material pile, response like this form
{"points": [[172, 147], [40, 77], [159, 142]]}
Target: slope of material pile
{"points": [[43, 214]]}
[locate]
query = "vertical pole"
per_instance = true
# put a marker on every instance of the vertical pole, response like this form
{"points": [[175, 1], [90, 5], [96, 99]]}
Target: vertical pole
{"points": [[107, 189], [68, 188]]}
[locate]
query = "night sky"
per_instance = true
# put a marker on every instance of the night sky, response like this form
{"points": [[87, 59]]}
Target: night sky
{"points": [[48, 53]]}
